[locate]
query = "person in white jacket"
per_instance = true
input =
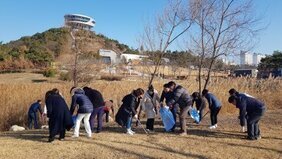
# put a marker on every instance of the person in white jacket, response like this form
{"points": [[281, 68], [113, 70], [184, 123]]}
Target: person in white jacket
{"points": [[150, 103]]}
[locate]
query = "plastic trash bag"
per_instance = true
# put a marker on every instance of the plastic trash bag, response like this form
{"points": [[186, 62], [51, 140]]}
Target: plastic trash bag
{"points": [[167, 118]]}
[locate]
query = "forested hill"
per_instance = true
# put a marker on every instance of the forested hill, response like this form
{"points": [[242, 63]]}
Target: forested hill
{"points": [[40, 49]]}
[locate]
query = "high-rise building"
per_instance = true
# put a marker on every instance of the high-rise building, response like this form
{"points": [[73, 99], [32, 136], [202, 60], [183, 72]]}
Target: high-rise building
{"points": [[246, 58], [257, 58]]}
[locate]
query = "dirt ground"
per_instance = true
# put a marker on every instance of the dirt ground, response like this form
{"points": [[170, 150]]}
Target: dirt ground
{"points": [[225, 142]]}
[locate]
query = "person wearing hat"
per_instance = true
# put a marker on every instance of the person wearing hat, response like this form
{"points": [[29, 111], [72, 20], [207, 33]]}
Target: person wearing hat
{"points": [[149, 104]]}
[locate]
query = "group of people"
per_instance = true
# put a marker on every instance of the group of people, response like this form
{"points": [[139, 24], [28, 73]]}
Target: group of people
{"points": [[88, 103]]}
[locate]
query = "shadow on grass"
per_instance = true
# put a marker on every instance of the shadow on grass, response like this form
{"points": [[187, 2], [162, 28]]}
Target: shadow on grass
{"points": [[33, 135], [142, 155]]}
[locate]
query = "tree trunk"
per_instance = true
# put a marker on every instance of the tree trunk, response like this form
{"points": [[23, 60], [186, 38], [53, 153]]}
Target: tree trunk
{"points": [[209, 74]]}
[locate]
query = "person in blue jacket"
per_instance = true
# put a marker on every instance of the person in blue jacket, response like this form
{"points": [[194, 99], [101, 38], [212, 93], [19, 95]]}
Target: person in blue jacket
{"points": [[234, 92], [214, 105], [254, 109], [32, 114], [85, 108]]}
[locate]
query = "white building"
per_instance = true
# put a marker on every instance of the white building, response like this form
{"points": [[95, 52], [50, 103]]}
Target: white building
{"points": [[246, 58], [257, 58], [79, 21], [131, 57], [108, 56]]}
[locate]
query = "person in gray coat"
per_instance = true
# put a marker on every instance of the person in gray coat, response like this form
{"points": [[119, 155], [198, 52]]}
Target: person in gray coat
{"points": [[182, 99]]}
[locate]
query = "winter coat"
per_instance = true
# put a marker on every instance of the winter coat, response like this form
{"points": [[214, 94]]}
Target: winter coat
{"points": [[248, 105], [200, 103], [167, 96], [58, 114], [150, 103], [80, 99], [180, 97], [213, 101], [127, 109], [95, 97]]}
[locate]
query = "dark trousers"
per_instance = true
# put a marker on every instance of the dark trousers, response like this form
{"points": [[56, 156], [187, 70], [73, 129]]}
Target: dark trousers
{"points": [[32, 117], [99, 113], [174, 113], [201, 113], [150, 124], [253, 124], [52, 134], [213, 113], [182, 117], [107, 115]]}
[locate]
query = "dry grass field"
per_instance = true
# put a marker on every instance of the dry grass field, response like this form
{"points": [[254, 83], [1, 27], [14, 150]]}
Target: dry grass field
{"points": [[225, 142]]}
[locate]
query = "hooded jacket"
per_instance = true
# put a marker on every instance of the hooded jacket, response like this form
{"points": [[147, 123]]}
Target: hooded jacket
{"points": [[83, 102], [149, 103]]}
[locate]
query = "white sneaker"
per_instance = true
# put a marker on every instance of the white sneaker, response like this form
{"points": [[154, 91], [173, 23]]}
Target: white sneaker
{"points": [[212, 127], [215, 125], [74, 136], [129, 132]]}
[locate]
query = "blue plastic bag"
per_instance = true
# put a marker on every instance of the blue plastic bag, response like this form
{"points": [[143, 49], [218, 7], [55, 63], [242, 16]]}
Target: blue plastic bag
{"points": [[194, 114], [167, 118]]}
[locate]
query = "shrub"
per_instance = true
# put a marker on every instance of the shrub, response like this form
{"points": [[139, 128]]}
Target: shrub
{"points": [[65, 76], [111, 78], [49, 72]]}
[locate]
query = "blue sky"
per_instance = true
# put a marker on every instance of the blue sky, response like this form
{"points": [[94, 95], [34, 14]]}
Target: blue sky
{"points": [[122, 20]]}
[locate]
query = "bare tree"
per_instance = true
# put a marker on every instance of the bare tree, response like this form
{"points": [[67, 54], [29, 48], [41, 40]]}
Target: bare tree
{"points": [[222, 27], [83, 64], [173, 22]]}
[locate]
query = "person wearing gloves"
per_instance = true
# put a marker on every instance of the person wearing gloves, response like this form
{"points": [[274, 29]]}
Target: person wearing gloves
{"points": [[254, 109], [182, 99], [200, 103], [128, 109], [85, 108], [149, 104], [214, 105], [234, 92]]}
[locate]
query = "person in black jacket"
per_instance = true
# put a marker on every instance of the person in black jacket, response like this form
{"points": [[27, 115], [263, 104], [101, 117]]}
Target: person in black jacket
{"points": [[85, 108], [254, 109], [97, 100], [167, 95], [128, 109], [200, 103], [182, 99], [59, 115]]}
